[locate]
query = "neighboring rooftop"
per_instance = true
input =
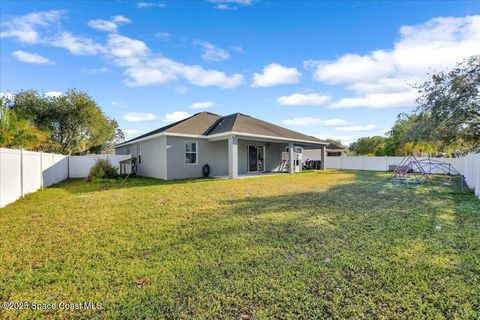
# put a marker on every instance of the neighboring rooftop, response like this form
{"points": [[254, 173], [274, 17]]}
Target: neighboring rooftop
{"points": [[208, 124]]}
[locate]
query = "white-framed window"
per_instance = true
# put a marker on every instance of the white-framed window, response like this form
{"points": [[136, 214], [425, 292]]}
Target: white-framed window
{"points": [[139, 153], [128, 150], [191, 152]]}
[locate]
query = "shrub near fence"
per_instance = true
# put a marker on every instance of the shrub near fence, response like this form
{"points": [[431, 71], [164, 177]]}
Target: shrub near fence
{"points": [[468, 165], [22, 172]]}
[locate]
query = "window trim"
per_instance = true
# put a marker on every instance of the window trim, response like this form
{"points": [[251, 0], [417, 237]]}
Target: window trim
{"points": [[196, 152]]}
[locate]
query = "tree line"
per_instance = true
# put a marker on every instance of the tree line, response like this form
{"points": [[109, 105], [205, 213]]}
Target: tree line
{"points": [[72, 123], [445, 122]]}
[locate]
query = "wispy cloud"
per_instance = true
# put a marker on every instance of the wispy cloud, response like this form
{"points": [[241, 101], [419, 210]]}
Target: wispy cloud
{"points": [[212, 53], [275, 74], [162, 35], [139, 116], [96, 70], [28, 57], [109, 25], [142, 66], [28, 28], [300, 99], [147, 5], [202, 105], [230, 4]]}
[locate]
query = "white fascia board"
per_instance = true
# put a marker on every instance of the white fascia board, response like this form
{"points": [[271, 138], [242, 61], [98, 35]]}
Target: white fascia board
{"points": [[222, 136]]}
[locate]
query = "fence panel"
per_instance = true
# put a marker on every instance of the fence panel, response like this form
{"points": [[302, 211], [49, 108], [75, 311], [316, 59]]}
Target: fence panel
{"points": [[375, 163], [32, 177], [80, 165], [22, 172], [10, 173]]}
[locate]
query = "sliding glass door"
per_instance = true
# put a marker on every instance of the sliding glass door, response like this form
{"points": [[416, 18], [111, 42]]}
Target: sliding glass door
{"points": [[256, 158]]}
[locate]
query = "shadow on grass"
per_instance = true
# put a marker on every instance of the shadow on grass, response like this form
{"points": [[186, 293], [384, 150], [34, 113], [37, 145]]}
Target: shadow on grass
{"points": [[359, 249], [79, 185]]}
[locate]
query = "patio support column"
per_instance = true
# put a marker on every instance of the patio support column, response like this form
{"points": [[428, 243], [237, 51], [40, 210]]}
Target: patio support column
{"points": [[323, 157], [291, 158], [233, 157]]}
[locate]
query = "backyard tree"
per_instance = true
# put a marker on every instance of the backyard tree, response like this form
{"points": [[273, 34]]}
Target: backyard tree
{"points": [[372, 146], [17, 131], [449, 107], [75, 122]]}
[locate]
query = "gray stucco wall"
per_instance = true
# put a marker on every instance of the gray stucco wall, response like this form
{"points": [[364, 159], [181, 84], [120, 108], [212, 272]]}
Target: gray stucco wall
{"points": [[164, 157], [215, 154], [154, 158]]}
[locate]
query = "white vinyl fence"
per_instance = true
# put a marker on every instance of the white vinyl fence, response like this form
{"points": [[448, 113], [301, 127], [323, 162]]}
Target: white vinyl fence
{"points": [[22, 172], [468, 165]]}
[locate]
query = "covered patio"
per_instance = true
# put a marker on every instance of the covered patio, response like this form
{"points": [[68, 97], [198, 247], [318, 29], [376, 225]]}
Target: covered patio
{"points": [[252, 155]]}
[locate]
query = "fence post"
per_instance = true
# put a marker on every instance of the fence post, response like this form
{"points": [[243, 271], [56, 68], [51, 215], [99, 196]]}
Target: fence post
{"points": [[41, 169], [363, 160], [22, 165]]}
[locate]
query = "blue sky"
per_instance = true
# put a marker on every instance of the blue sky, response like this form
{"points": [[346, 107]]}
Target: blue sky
{"points": [[329, 69]]}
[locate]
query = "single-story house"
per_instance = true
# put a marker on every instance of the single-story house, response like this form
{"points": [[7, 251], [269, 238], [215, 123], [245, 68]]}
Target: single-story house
{"points": [[232, 145]]}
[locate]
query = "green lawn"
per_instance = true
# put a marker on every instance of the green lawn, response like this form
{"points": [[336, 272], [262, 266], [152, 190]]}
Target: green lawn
{"points": [[334, 244]]}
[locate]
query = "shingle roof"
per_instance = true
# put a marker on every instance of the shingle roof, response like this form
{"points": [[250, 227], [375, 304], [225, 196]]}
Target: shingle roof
{"points": [[206, 123], [199, 124]]}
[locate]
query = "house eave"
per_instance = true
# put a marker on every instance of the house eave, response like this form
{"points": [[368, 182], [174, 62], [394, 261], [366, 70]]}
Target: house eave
{"points": [[223, 136]]}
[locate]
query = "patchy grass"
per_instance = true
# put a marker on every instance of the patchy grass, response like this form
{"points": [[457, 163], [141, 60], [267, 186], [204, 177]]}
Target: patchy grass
{"points": [[335, 244]]}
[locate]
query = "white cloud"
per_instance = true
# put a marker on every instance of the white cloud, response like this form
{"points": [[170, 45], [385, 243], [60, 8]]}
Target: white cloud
{"points": [[352, 67], [28, 57], [54, 94], [6, 95], [299, 99], [26, 28], [177, 116], [379, 100], [139, 116], [96, 70], [80, 46], [230, 4], [202, 105], [142, 67], [380, 79], [146, 5], [355, 128], [224, 6], [212, 53], [275, 74], [109, 25], [162, 35], [309, 121]]}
